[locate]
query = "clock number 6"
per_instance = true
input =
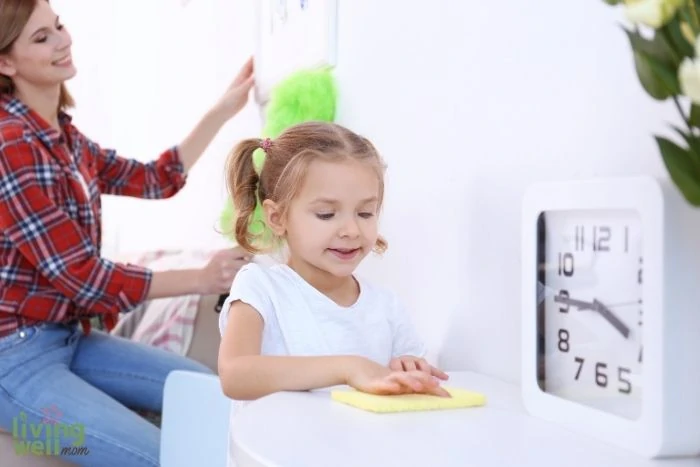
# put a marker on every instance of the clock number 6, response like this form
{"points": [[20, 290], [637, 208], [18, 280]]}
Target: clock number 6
{"points": [[601, 379]]}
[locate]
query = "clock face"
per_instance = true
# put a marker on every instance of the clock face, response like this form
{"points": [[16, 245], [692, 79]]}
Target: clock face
{"points": [[589, 324]]}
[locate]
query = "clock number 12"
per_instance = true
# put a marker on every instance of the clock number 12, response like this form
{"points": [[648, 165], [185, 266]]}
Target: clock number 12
{"points": [[601, 236]]}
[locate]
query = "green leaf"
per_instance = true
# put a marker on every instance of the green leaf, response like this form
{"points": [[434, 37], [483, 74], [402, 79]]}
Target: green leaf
{"points": [[612, 2], [672, 31], [657, 79], [694, 118], [656, 47], [666, 74], [681, 169], [693, 150], [656, 63]]}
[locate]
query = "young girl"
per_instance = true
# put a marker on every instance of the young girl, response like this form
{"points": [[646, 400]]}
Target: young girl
{"points": [[311, 323]]}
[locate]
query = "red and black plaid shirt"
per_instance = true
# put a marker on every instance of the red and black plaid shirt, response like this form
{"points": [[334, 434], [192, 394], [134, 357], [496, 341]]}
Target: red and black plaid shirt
{"points": [[50, 221]]}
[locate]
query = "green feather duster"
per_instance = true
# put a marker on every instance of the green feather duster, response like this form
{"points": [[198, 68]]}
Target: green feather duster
{"points": [[306, 95]]}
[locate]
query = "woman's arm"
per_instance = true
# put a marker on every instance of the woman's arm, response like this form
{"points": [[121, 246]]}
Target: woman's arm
{"points": [[214, 278], [201, 136], [165, 176], [231, 102]]}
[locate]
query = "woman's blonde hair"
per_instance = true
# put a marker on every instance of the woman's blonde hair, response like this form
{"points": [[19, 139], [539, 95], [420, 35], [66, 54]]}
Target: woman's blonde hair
{"points": [[287, 158], [14, 15]]}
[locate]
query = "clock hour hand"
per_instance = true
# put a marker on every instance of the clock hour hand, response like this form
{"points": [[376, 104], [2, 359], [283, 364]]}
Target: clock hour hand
{"points": [[580, 304], [596, 305]]}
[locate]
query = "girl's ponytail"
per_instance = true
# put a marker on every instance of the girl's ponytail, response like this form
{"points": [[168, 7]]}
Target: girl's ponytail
{"points": [[242, 181]]}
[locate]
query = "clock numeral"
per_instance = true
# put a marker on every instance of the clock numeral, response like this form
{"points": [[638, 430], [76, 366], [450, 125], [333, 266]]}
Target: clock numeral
{"points": [[578, 238], [580, 361], [563, 340], [601, 379], [566, 264], [564, 294], [625, 384], [627, 238], [601, 237]]}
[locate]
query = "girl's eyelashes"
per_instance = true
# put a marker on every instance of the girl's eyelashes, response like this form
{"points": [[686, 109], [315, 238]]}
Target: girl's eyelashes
{"points": [[329, 215]]}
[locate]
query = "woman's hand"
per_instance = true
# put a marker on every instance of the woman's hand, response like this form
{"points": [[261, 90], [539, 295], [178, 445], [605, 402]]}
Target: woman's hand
{"points": [[368, 376], [217, 276], [411, 363], [228, 105], [236, 95]]}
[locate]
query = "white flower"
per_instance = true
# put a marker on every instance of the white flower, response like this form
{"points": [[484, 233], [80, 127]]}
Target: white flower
{"points": [[689, 77], [652, 13]]}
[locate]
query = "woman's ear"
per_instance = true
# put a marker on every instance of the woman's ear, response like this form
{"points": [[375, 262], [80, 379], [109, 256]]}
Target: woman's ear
{"points": [[274, 218], [6, 66]]}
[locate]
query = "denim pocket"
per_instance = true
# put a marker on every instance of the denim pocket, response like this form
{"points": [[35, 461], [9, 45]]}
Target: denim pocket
{"points": [[17, 339]]}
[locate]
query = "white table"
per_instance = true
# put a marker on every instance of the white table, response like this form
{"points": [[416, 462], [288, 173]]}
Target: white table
{"points": [[308, 429]]}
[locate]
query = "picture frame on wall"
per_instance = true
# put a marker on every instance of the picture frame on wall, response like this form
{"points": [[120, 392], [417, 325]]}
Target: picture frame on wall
{"points": [[293, 35]]}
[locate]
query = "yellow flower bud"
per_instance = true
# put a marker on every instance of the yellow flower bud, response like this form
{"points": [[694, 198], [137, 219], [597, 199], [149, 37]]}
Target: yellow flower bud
{"points": [[687, 32]]}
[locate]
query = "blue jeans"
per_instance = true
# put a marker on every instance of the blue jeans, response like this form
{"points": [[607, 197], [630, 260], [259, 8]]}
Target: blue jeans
{"points": [[67, 394]]}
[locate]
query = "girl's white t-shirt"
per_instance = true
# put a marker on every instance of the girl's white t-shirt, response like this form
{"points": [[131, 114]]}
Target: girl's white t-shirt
{"points": [[376, 326]]}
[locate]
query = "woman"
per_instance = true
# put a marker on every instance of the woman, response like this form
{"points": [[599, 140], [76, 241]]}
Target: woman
{"points": [[53, 370]]}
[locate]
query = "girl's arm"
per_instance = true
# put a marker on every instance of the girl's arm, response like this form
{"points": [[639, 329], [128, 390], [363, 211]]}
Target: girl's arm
{"points": [[246, 375]]}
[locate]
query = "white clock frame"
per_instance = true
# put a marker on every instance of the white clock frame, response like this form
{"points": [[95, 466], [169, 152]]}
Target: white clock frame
{"points": [[669, 425]]}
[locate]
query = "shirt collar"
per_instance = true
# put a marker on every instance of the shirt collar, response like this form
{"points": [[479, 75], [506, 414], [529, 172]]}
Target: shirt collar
{"points": [[46, 133]]}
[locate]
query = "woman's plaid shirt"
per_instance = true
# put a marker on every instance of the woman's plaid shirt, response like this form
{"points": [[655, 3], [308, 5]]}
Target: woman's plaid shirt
{"points": [[50, 221]]}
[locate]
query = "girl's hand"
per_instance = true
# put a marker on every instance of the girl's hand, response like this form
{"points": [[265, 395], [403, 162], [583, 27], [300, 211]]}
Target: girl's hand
{"points": [[368, 376], [236, 96], [411, 363]]}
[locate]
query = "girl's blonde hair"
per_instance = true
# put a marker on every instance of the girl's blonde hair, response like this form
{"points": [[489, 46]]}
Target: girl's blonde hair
{"points": [[14, 15], [286, 160]]}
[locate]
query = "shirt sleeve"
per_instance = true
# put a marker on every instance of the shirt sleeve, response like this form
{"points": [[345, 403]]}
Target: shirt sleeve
{"points": [[52, 242], [158, 179], [406, 340], [250, 286]]}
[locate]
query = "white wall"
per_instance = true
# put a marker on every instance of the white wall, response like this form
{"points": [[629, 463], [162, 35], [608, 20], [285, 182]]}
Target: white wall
{"points": [[468, 101]]}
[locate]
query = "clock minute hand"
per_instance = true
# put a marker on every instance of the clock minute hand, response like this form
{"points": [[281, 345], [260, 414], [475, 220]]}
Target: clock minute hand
{"points": [[610, 316], [598, 306]]}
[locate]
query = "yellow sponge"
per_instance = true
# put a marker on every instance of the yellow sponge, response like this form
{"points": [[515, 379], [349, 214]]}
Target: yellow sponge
{"points": [[409, 402]]}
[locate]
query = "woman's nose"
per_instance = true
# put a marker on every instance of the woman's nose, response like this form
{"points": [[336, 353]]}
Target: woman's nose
{"points": [[66, 40]]}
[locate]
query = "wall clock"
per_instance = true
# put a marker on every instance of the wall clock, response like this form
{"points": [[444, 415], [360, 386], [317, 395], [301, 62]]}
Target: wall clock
{"points": [[611, 312]]}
